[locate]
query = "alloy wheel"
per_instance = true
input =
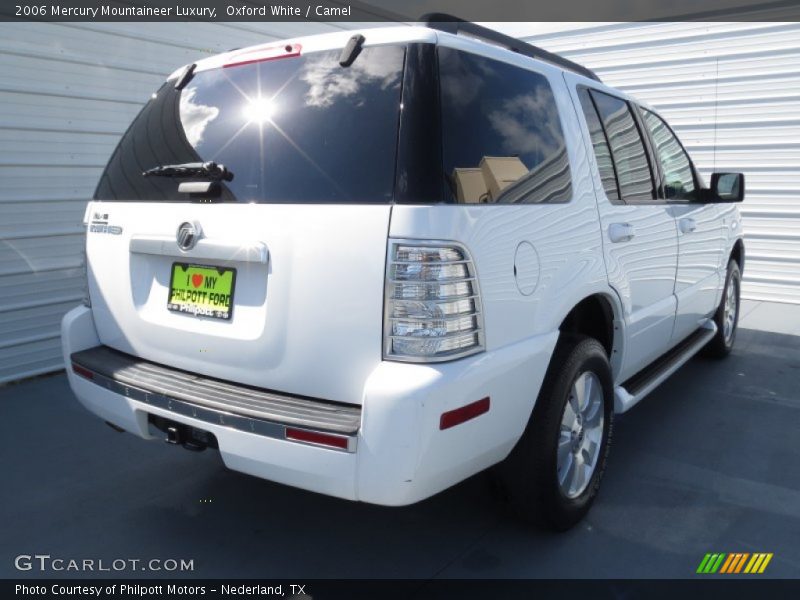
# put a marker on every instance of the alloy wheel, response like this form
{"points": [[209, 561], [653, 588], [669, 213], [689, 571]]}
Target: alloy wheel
{"points": [[580, 435]]}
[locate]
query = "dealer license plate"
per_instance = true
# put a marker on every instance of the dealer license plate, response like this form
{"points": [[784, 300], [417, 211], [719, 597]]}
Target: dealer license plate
{"points": [[202, 291]]}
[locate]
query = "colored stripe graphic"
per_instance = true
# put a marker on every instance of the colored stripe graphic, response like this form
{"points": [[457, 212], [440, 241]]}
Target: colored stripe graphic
{"points": [[711, 562], [734, 563], [741, 562], [729, 563], [703, 563], [764, 564], [717, 564], [757, 558]]}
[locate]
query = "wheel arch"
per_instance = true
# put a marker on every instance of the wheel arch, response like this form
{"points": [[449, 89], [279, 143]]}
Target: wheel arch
{"points": [[599, 316], [737, 253]]}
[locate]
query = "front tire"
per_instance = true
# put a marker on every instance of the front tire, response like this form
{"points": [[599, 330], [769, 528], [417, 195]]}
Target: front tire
{"points": [[553, 474], [727, 316]]}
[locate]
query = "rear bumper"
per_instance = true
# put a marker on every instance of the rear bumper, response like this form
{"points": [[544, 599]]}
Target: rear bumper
{"points": [[401, 456], [218, 402]]}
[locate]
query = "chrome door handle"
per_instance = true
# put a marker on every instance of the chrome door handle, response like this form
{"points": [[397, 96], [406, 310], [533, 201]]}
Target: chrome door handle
{"points": [[687, 225], [621, 232]]}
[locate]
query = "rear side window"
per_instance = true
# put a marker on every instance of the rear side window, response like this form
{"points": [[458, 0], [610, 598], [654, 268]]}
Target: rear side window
{"points": [[634, 176], [679, 181], [294, 130], [502, 140]]}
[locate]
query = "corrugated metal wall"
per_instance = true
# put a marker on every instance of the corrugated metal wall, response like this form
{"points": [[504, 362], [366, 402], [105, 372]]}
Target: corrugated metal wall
{"points": [[732, 93], [67, 93]]}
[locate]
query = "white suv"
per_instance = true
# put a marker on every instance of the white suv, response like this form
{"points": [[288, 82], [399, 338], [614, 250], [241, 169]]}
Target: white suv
{"points": [[427, 253]]}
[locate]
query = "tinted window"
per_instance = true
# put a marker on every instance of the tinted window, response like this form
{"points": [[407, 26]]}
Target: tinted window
{"points": [[501, 135], [299, 129], [677, 168], [602, 152], [627, 148]]}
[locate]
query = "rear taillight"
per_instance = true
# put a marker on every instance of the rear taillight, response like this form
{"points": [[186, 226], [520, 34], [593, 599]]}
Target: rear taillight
{"points": [[433, 306], [82, 371]]}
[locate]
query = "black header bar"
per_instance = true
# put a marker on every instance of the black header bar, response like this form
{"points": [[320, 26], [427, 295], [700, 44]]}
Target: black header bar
{"points": [[399, 10], [386, 589]]}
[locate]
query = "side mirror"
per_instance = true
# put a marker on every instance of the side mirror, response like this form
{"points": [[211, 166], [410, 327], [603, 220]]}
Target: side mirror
{"points": [[727, 187]]}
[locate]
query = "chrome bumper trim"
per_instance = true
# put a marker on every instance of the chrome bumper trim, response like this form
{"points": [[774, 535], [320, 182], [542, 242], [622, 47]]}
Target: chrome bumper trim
{"points": [[208, 415]]}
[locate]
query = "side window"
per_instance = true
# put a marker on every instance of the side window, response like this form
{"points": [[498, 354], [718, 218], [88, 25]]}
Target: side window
{"points": [[679, 181], [602, 152], [627, 149], [502, 140]]}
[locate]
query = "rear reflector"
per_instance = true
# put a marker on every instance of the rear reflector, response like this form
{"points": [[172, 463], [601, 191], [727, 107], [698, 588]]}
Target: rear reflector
{"points": [[455, 417], [83, 372], [315, 437], [261, 54]]}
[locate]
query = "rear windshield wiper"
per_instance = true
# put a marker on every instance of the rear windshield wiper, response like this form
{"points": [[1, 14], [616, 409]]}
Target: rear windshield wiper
{"points": [[209, 169]]}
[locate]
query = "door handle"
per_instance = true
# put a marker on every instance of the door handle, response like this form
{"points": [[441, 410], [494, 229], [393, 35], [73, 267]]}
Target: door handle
{"points": [[621, 232], [687, 225]]}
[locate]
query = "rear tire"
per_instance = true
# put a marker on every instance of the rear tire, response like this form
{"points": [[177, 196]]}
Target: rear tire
{"points": [[727, 315], [552, 476]]}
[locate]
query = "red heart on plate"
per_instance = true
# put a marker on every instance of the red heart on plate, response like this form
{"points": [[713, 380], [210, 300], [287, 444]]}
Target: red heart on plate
{"points": [[197, 279]]}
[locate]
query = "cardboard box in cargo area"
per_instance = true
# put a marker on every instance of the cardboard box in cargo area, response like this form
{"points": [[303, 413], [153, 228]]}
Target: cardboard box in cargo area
{"points": [[499, 172], [470, 186], [485, 183]]}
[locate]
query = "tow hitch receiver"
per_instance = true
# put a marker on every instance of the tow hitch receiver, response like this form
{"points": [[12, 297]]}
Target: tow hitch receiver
{"points": [[173, 436], [179, 434]]}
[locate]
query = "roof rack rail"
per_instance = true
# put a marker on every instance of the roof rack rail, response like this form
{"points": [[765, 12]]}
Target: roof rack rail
{"points": [[456, 26]]}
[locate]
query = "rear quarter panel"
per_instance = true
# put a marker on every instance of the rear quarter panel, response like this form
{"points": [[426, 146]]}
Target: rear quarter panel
{"points": [[567, 265]]}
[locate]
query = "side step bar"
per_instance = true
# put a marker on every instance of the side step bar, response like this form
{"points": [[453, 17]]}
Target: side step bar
{"points": [[645, 381]]}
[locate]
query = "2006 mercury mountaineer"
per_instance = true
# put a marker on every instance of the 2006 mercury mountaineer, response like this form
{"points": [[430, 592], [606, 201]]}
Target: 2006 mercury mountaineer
{"points": [[374, 265]]}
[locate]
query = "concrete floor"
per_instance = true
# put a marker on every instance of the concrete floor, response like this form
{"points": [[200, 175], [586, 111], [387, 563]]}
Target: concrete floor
{"points": [[709, 463]]}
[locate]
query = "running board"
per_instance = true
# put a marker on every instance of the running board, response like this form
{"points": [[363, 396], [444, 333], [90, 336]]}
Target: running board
{"points": [[649, 378]]}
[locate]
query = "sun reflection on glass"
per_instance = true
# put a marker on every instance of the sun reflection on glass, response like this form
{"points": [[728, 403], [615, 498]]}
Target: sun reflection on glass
{"points": [[259, 110]]}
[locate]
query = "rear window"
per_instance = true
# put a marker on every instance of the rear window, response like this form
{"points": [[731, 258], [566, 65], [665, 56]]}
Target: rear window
{"points": [[502, 140], [294, 130]]}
